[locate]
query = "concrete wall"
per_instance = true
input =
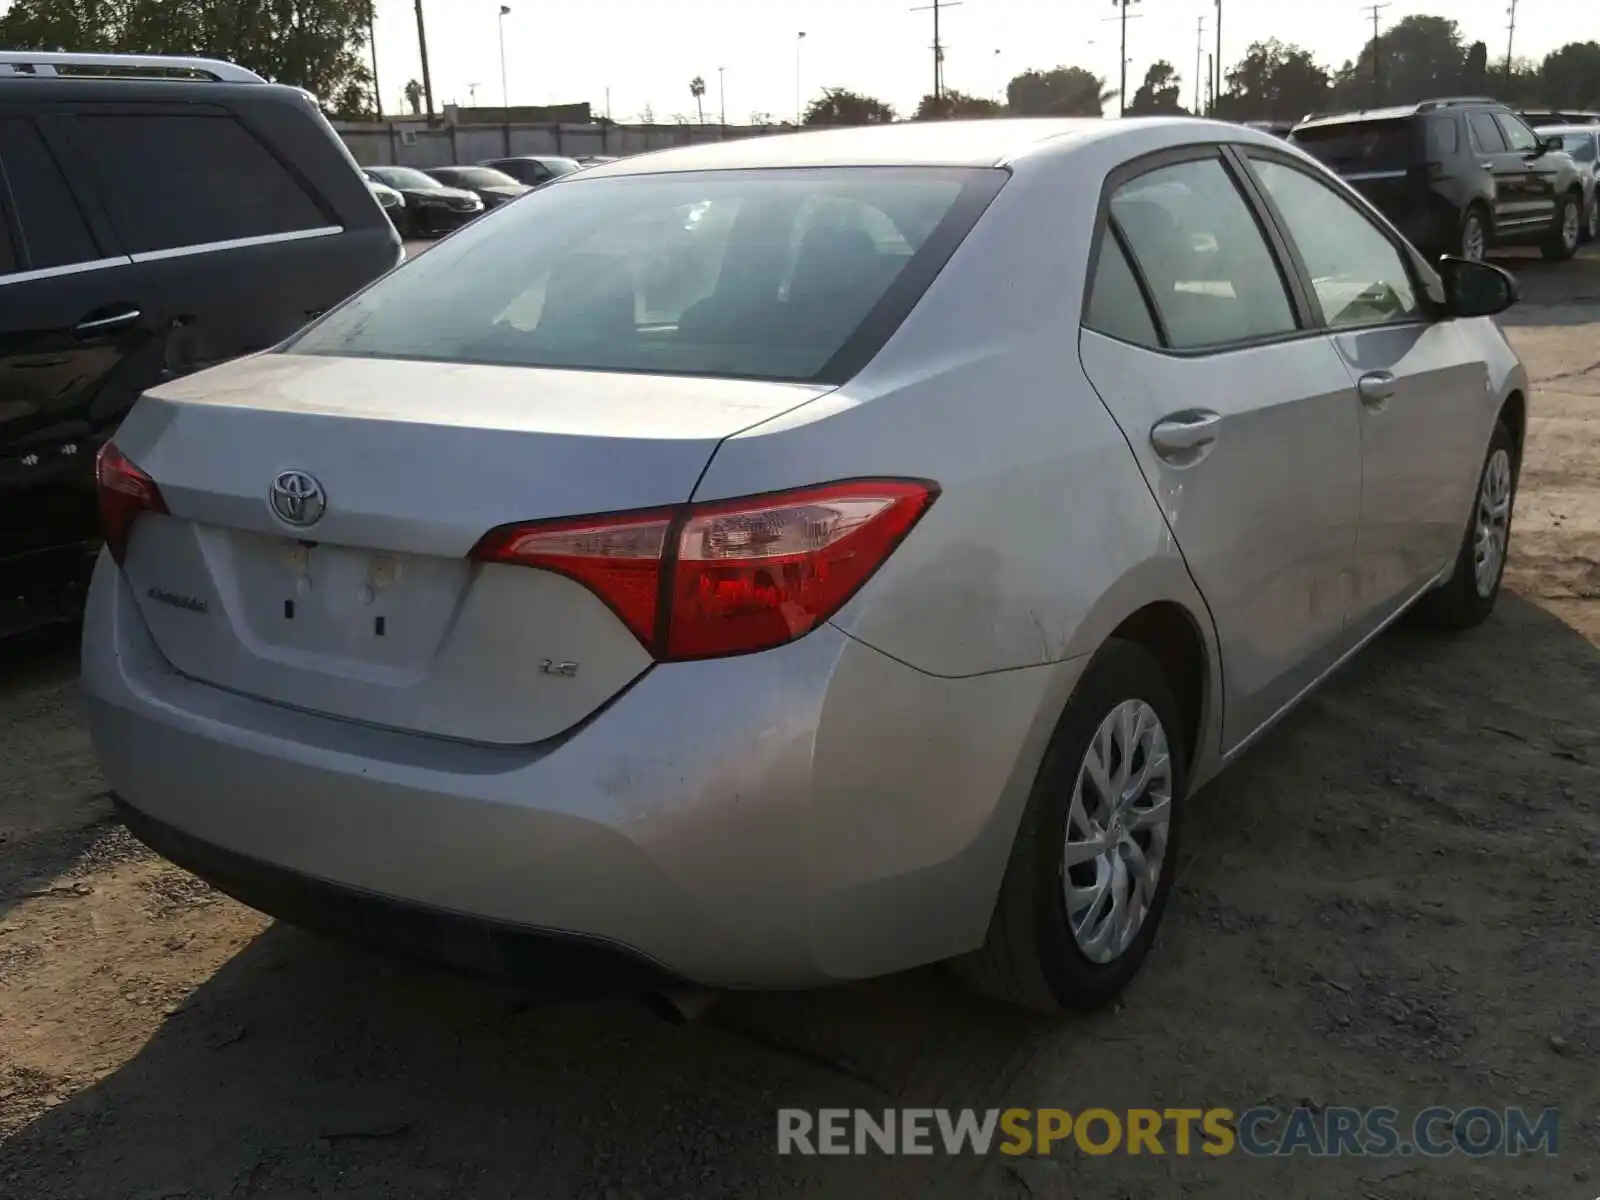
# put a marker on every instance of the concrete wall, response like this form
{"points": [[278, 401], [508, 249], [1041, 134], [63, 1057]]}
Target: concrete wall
{"points": [[413, 144]]}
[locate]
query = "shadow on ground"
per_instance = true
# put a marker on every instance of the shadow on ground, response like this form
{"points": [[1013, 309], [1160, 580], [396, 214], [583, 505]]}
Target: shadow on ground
{"points": [[1389, 902]]}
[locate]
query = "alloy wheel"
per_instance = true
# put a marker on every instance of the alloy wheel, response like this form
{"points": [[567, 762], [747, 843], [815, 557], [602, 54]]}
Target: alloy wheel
{"points": [[1594, 217], [1472, 239], [1571, 226], [1117, 831], [1492, 527]]}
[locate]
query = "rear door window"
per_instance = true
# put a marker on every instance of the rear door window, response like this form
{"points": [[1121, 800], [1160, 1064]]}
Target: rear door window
{"points": [[44, 214], [760, 274], [174, 181], [1203, 255], [1361, 147], [1486, 135]]}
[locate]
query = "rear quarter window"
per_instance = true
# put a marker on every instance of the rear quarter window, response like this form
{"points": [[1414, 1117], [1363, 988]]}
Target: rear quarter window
{"points": [[172, 181]]}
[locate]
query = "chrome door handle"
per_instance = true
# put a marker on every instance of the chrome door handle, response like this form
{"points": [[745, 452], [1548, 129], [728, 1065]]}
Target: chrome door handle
{"points": [[106, 324], [1185, 437], [1376, 388]]}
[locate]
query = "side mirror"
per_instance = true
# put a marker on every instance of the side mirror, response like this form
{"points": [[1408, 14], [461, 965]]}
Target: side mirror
{"points": [[1550, 145], [1476, 289]]}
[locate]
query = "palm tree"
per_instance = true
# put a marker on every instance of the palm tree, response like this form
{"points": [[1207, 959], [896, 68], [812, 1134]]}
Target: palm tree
{"points": [[413, 91], [697, 89]]}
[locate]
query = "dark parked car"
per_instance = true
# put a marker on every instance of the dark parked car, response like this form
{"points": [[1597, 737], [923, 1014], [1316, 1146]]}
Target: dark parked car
{"points": [[432, 209], [157, 216], [534, 169], [1456, 176], [493, 187]]}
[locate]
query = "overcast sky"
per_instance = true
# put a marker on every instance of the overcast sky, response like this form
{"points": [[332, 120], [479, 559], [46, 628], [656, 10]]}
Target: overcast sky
{"points": [[646, 51]]}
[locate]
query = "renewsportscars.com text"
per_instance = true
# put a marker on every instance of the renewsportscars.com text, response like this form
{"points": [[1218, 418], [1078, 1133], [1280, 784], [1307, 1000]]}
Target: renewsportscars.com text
{"points": [[1258, 1132]]}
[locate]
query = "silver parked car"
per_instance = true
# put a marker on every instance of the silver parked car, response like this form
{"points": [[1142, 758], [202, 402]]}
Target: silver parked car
{"points": [[860, 574], [1582, 143]]}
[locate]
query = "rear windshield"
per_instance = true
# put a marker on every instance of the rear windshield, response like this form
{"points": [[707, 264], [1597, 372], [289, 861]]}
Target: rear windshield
{"points": [[1360, 146], [404, 177], [767, 274], [476, 177]]}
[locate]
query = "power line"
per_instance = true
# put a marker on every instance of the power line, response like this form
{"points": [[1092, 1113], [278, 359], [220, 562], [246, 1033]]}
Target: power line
{"points": [[1377, 58], [938, 46]]}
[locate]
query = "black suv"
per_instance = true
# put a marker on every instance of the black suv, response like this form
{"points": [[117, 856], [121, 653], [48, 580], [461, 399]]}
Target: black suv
{"points": [[1456, 176], [157, 215]]}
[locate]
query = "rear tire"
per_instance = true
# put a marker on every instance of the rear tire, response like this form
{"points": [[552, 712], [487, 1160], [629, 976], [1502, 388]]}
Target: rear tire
{"points": [[1044, 949], [1564, 237], [1591, 226], [1469, 596]]}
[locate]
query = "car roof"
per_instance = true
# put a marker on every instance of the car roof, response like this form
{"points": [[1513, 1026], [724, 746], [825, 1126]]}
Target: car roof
{"points": [[977, 143], [1397, 112], [1585, 127]]}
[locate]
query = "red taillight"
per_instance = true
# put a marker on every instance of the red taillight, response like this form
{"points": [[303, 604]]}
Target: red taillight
{"points": [[125, 492], [742, 575]]}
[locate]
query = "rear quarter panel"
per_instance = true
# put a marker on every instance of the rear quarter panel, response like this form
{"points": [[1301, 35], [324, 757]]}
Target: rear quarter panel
{"points": [[1045, 535]]}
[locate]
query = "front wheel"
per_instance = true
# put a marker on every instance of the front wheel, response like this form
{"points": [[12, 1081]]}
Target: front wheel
{"points": [[1591, 226], [1093, 860], [1567, 231], [1469, 596]]}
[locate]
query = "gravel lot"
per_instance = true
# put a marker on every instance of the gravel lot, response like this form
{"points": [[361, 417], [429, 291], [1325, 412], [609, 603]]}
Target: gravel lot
{"points": [[1392, 901]]}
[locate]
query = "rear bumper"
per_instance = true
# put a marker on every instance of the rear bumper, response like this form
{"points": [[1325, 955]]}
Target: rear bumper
{"points": [[815, 813]]}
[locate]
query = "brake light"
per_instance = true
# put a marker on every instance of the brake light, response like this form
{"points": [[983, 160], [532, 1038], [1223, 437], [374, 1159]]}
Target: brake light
{"points": [[125, 491], [727, 577]]}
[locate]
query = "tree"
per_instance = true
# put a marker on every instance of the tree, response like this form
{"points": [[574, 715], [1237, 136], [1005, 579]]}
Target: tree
{"points": [[1273, 81], [841, 106], [1571, 76], [413, 91], [318, 45], [1158, 94], [697, 89], [1475, 71], [1419, 58], [955, 106], [1062, 92]]}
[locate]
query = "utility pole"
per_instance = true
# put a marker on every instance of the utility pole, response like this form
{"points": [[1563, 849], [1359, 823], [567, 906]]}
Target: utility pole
{"points": [[422, 46], [938, 44], [1122, 18], [799, 40], [1199, 58], [722, 94], [372, 44], [505, 95], [1216, 65], [1511, 41], [1377, 46]]}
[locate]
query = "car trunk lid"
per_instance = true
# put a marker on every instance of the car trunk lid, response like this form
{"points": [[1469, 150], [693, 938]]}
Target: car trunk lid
{"points": [[373, 612]]}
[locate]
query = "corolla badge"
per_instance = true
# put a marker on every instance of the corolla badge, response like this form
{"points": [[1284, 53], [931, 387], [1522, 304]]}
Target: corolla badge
{"points": [[297, 498]]}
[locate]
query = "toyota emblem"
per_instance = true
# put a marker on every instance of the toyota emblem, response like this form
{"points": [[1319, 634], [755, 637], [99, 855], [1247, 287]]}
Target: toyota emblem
{"points": [[298, 499]]}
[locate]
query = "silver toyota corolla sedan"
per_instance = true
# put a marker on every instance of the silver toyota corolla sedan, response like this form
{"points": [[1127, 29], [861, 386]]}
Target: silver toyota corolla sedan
{"points": [[798, 559]]}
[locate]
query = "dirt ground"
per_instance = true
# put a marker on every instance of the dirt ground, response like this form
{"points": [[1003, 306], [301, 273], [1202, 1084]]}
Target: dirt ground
{"points": [[1391, 901]]}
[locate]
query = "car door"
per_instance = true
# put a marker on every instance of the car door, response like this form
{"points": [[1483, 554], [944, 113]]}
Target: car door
{"points": [[1416, 379], [233, 238], [1541, 171], [1514, 211], [1240, 416], [78, 342]]}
